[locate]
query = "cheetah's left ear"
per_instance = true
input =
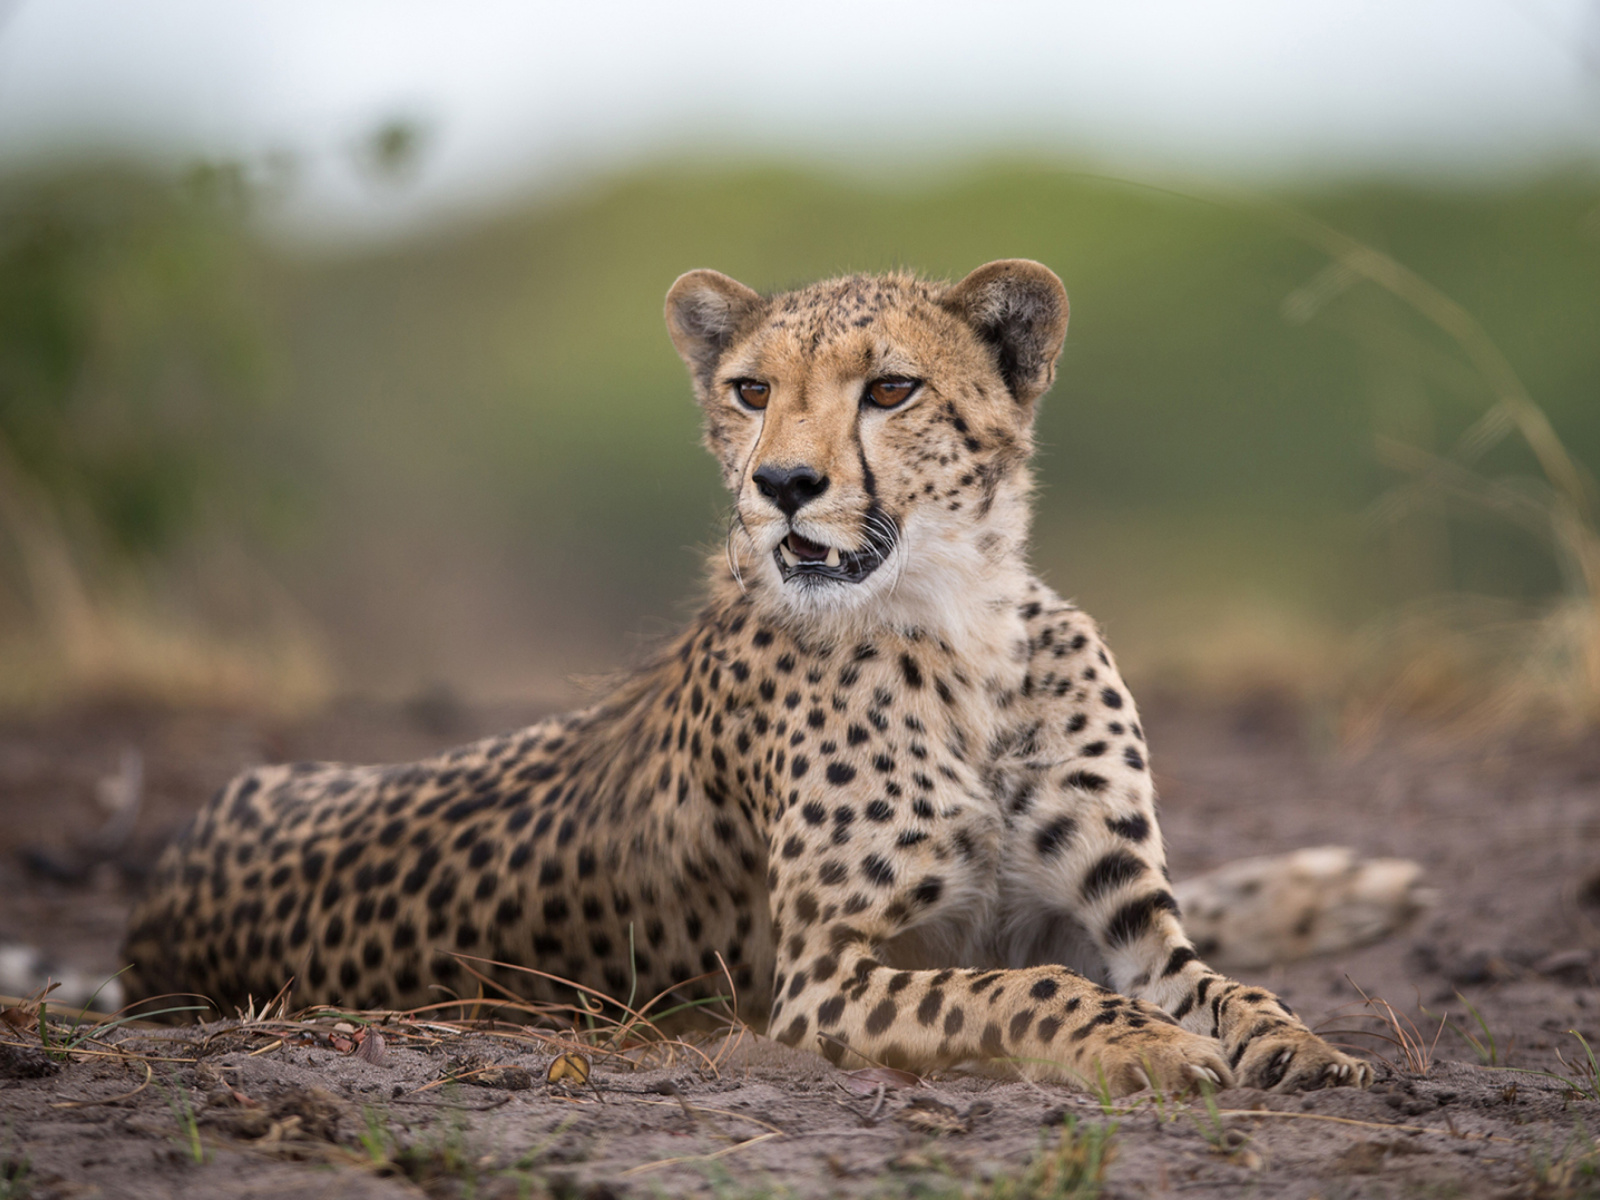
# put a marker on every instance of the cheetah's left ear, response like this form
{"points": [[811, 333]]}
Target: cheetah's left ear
{"points": [[1020, 309]]}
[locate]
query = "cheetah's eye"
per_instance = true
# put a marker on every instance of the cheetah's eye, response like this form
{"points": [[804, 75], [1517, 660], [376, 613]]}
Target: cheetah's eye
{"points": [[752, 393], [891, 393]]}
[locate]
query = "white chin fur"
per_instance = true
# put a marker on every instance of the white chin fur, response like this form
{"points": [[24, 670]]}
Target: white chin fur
{"points": [[929, 582]]}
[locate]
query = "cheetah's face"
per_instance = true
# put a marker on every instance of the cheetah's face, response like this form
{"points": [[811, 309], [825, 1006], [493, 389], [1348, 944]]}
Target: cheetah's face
{"points": [[873, 430]]}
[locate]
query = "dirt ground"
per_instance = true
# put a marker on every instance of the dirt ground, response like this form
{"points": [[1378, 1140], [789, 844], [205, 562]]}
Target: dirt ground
{"points": [[1509, 835]]}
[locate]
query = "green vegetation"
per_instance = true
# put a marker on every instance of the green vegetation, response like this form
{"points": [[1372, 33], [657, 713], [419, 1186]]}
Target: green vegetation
{"points": [[177, 1098], [1072, 1169], [488, 441]]}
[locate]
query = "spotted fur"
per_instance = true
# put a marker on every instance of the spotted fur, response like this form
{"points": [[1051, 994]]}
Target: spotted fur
{"points": [[910, 813]]}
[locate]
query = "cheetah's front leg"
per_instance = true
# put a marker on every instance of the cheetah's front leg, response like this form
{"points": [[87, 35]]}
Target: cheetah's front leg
{"points": [[1084, 840], [831, 991]]}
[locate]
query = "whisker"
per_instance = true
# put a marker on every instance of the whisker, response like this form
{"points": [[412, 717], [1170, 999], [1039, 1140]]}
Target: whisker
{"points": [[737, 519], [733, 562], [886, 535]]}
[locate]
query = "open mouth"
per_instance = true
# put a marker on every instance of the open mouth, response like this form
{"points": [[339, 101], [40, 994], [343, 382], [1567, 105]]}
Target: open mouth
{"points": [[800, 557]]}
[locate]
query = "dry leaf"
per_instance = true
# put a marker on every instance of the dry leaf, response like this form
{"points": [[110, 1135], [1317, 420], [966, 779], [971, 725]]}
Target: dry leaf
{"points": [[20, 1019], [568, 1068], [927, 1115], [869, 1079], [342, 1044], [371, 1048]]}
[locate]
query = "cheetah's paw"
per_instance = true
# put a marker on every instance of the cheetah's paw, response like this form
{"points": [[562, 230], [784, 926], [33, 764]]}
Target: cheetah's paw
{"points": [[1297, 1060], [1167, 1058]]}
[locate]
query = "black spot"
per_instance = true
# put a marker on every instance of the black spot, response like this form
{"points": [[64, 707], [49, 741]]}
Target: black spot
{"points": [[954, 1020], [1087, 780], [1137, 916], [1135, 828], [1094, 749], [417, 878], [840, 773], [911, 671], [881, 1016], [879, 810], [877, 870], [1112, 871], [1181, 957], [830, 1010], [1044, 989], [1052, 837], [1133, 758], [1112, 697], [311, 866], [929, 890], [1077, 723], [990, 1044]]}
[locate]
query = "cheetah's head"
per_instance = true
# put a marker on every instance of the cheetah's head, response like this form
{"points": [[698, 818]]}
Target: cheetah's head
{"points": [[874, 430]]}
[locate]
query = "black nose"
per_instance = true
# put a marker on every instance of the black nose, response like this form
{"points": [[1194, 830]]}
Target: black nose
{"points": [[789, 487]]}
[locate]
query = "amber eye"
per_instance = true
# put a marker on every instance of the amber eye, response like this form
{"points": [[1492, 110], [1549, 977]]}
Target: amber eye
{"points": [[888, 393], [752, 393]]}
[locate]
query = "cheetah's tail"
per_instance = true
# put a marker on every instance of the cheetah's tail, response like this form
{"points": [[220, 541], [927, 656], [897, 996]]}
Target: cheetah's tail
{"points": [[1319, 900]]}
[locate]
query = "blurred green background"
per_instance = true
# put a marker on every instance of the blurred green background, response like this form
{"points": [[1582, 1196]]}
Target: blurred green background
{"points": [[237, 469]]}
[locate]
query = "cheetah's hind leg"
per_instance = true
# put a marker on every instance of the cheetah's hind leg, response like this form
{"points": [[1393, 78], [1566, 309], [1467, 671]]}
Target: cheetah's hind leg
{"points": [[1259, 911]]}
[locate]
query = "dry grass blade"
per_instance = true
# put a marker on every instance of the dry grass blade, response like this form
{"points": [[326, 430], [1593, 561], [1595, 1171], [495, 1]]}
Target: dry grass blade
{"points": [[1561, 509], [149, 1074], [693, 1158], [607, 1036], [1307, 1116], [1416, 1051]]}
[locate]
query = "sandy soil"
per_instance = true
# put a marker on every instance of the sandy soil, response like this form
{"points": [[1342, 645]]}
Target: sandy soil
{"points": [[1509, 836]]}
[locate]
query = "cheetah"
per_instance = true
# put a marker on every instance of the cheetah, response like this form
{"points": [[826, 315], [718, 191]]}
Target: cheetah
{"points": [[888, 784]]}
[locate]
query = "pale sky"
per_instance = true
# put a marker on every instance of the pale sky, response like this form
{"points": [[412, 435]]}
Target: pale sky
{"points": [[518, 96]]}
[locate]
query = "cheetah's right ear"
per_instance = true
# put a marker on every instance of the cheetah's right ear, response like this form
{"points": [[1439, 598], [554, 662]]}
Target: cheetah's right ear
{"points": [[705, 310], [1020, 309]]}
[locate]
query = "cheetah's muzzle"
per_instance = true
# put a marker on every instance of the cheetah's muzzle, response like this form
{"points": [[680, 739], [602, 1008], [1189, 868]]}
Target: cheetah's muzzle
{"points": [[799, 557]]}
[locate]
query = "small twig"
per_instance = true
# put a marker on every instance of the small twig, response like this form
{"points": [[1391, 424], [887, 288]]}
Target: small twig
{"points": [[721, 1112], [149, 1074], [498, 1102], [1305, 1116], [689, 1158]]}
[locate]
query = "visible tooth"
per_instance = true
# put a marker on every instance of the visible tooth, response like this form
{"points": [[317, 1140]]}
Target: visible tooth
{"points": [[833, 556], [788, 554]]}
